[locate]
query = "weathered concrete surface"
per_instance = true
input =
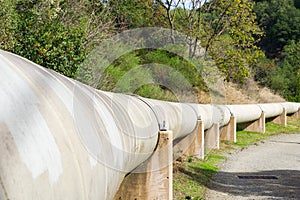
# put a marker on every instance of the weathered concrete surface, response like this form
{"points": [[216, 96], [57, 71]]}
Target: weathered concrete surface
{"points": [[153, 178], [212, 138], [258, 125], [228, 132], [192, 144], [278, 156]]}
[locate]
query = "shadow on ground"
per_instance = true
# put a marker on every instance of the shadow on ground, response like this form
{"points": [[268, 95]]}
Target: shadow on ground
{"points": [[283, 184]]}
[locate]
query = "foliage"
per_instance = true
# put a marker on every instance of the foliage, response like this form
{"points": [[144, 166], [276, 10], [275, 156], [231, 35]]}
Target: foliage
{"points": [[152, 73], [185, 67], [194, 176], [289, 71], [280, 19], [59, 34], [54, 34], [227, 31], [235, 32], [117, 70], [234, 62], [133, 13], [263, 70], [282, 76], [48, 42], [7, 17]]}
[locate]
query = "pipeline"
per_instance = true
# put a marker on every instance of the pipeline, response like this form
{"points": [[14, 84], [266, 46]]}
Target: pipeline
{"points": [[61, 139]]}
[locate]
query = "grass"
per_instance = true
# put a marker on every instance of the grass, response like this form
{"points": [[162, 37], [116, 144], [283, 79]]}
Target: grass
{"points": [[192, 177]]}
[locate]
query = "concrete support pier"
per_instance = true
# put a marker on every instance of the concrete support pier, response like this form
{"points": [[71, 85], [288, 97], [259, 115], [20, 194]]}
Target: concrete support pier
{"points": [[228, 132], [212, 138], [258, 125], [196, 143], [153, 178], [296, 114], [281, 119]]}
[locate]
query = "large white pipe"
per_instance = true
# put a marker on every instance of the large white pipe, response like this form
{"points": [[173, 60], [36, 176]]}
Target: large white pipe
{"points": [[61, 139], [205, 113], [178, 117], [291, 107], [271, 109], [221, 114], [245, 113], [211, 114]]}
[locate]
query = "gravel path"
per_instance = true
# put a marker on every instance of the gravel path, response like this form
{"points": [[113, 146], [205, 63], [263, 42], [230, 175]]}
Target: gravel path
{"points": [[270, 170]]}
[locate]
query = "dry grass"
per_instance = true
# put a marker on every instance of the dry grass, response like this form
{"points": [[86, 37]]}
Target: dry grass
{"points": [[247, 93]]}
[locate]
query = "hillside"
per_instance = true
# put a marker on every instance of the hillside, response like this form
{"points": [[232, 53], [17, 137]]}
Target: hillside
{"points": [[247, 93], [245, 39]]}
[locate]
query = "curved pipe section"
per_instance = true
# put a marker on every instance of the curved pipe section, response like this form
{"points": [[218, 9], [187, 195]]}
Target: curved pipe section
{"points": [[221, 115], [205, 113], [178, 117], [211, 114], [64, 140]]}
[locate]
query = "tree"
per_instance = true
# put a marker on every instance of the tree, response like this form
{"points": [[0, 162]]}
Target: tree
{"points": [[55, 34], [284, 78], [130, 14], [7, 17], [280, 19], [297, 4], [290, 68], [215, 23]]}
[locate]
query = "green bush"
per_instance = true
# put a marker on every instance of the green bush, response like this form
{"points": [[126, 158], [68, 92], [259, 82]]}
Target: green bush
{"points": [[154, 74], [45, 40]]}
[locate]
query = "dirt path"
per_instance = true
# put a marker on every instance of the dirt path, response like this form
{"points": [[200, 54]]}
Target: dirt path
{"points": [[270, 170]]}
